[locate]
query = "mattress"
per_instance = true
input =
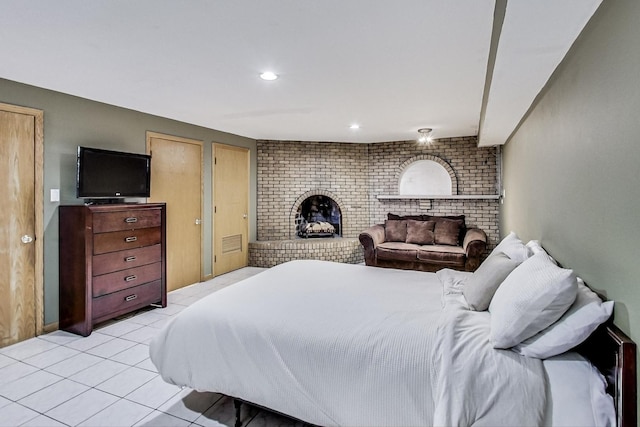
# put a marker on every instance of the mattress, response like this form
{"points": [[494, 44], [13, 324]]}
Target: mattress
{"points": [[576, 393], [342, 344]]}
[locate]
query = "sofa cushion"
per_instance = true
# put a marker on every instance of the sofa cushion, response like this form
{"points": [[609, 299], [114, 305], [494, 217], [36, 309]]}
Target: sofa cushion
{"points": [[446, 255], [420, 232], [447, 231], [397, 251], [395, 230]]}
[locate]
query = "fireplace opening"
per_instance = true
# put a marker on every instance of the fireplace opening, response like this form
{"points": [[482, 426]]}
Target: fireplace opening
{"points": [[318, 216]]}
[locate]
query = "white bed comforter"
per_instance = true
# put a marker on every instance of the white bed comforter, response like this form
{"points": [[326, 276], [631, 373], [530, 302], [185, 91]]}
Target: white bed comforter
{"points": [[341, 344]]}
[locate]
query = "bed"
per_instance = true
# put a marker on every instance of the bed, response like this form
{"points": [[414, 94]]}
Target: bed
{"points": [[340, 344]]}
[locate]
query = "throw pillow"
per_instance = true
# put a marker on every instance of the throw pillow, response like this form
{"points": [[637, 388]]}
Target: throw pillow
{"points": [[532, 297], [395, 230], [447, 232], [420, 232], [583, 317], [480, 287], [513, 247]]}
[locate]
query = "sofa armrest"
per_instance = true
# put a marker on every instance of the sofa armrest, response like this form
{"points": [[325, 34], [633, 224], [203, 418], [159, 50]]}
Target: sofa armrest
{"points": [[474, 245], [370, 238]]}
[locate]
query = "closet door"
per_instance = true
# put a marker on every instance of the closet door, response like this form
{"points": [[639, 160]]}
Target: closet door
{"points": [[21, 269], [176, 179], [231, 207]]}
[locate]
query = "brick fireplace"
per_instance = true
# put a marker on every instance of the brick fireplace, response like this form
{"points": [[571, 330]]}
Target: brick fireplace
{"points": [[353, 175], [318, 215], [290, 172]]}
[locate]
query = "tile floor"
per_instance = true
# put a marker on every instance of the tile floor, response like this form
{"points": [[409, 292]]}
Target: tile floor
{"points": [[107, 379]]}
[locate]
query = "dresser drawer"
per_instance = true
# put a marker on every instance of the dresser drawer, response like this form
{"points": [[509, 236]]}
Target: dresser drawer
{"points": [[126, 220], [123, 279], [127, 239], [127, 300], [115, 261]]}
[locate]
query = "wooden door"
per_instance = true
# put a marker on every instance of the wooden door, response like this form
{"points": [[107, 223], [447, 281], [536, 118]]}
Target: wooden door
{"points": [[231, 207], [176, 178], [21, 268]]}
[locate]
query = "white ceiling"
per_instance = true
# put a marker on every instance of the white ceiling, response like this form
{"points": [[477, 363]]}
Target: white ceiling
{"points": [[390, 66]]}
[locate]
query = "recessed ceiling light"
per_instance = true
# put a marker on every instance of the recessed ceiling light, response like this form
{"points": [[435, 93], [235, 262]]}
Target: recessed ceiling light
{"points": [[354, 126], [268, 75]]}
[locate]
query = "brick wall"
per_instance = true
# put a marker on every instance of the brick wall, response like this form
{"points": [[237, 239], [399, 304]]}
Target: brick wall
{"points": [[354, 174], [289, 170], [267, 254], [475, 171]]}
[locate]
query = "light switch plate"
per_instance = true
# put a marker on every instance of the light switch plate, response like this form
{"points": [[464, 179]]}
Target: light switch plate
{"points": [[55, 194]]}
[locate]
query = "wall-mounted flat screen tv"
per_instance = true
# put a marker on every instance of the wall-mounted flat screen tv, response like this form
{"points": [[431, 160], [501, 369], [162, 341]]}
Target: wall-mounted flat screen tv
{"points": [[104, 174]]}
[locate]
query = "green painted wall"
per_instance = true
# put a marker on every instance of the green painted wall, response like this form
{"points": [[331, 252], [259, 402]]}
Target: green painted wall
{"points": [[572, 169], [70, 121]]}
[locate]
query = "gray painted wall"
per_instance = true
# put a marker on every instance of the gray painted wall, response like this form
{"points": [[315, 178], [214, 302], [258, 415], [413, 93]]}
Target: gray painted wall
{"points": [[70, 121], [572, 169]]}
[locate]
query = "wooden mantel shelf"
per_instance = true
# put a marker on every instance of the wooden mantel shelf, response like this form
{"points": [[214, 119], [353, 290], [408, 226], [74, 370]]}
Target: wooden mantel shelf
{"points": [[434, 197]]}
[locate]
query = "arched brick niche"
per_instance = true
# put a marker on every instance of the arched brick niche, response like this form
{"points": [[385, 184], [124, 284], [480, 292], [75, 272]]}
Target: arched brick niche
{"points": [[325, 206], [434, 173]]}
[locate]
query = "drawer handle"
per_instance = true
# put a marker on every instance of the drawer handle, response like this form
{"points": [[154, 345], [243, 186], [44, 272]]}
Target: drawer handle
{"points": [[130, 239], [130, 278], [131, 220], [129, 259], [131, 297]]}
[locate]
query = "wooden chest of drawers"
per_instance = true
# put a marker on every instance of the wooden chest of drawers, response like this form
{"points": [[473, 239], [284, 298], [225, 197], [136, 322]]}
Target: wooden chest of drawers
{"points": [[112, 261]]}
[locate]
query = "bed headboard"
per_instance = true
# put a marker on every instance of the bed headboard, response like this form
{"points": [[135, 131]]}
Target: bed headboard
{"points": [[614, 354]]}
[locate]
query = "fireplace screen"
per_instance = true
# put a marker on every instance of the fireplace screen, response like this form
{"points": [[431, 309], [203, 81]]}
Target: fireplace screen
{"points": [[318, 216]]}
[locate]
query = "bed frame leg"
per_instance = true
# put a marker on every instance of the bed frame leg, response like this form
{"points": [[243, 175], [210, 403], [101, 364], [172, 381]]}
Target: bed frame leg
{"points": [[237, 404]]}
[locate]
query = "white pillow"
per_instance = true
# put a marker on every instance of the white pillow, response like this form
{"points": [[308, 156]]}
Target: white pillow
{"points": [[535, 247], [532, 297], [583, 317], [480, 287], [513, 247]]}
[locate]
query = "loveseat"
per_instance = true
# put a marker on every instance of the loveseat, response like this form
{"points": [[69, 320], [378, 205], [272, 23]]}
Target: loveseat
{"points": [[424, 242]]}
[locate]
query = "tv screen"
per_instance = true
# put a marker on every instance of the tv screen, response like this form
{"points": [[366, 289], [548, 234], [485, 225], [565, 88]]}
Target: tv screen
{"points": [[104, 174]]}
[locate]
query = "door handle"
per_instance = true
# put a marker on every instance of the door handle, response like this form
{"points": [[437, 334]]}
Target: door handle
{"points": [[26, 239], [244, 216]]}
